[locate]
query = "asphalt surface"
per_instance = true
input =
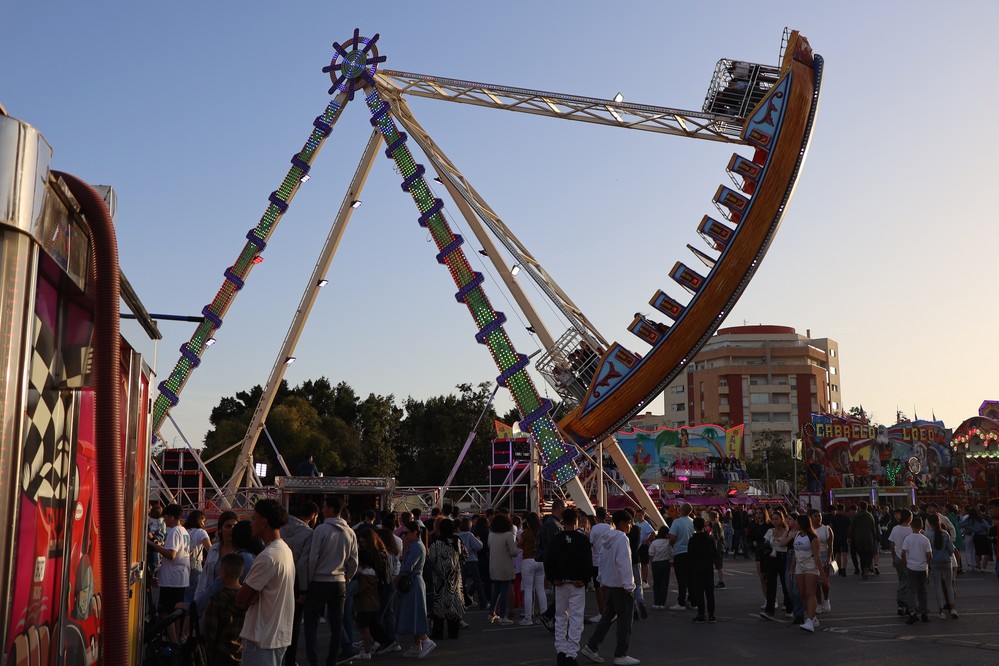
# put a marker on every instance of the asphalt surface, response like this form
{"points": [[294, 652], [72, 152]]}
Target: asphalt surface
{"points": [[863, 628]]}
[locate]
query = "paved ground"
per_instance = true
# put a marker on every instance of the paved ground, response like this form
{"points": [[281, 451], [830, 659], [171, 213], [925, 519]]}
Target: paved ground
{"points": [[862, 629]]}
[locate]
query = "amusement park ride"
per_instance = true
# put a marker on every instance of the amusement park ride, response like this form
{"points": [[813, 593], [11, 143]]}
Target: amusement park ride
{"points": [[769, 110]]}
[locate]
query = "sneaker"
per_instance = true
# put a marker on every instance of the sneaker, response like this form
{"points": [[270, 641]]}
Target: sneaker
{"points": [[912, 619], [375, 647], [346, 659], [943, 616], [766, 616], [548, 622], [645, 585], [428, 647], [591, 654], [826, 606], [819, 610], [391, 647], [807, 626], [677, 607], [763, 606], [953, 613], [626, 661], [720, 585], [700, 619], [526, 623], [711, 619], [503, 621], [643, 611], [596, 618], [658, 607], [362, 655], [464, 625], [815, 623]]}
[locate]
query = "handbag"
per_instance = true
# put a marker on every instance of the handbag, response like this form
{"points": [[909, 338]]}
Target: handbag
{"points": [[405, 583]]}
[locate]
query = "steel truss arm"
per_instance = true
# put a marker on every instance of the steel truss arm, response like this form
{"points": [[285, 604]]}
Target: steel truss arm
{"points": [[457, 183], [664, 120]]}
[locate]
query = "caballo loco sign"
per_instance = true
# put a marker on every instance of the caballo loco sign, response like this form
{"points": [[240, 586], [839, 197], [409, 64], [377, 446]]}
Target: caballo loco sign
{"points": [[859, 453], [690, 452]]}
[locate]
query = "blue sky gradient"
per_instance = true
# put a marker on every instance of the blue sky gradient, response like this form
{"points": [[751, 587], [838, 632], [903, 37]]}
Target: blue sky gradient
{"points": [[193, 110]]}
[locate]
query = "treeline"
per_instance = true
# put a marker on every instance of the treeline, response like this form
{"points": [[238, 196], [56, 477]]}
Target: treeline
{"points": [[417, 442]]}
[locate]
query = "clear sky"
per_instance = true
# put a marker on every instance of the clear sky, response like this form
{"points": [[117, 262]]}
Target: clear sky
{"points": [[193, 110]]}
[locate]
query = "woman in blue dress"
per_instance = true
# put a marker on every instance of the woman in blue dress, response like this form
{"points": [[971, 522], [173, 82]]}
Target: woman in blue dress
{"points": [[413, 601]]}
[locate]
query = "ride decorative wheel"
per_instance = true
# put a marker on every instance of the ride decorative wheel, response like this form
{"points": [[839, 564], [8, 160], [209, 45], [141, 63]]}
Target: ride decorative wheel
{"points": [[352, 70]]}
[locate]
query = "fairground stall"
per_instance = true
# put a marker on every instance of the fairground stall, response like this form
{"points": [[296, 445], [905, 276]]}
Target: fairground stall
{"points": [[850, 458]]}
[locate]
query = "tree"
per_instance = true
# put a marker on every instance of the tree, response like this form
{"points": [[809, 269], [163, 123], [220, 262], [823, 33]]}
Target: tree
{"points": [[379, 424], [434, 431], [770, 448]]}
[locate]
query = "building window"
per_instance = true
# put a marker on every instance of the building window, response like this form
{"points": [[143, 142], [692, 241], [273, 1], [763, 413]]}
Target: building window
{"points": [[833, 406], [832, 370], [834, 388], [677, 407], [832, 352], [677, 389], [722, 383], [759, 398]]}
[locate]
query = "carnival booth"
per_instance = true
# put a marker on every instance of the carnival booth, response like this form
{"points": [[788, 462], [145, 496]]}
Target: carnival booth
{"points": [[976, 444]]}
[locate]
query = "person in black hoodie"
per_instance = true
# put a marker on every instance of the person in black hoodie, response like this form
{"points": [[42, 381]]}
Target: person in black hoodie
{"points": [[568, 565], [701, 553]]}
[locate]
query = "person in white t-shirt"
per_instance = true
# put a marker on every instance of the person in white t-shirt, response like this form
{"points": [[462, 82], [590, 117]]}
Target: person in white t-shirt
{"points": [[597, 533], [825, 536], [268, 590], [175, 569], [895, 539], [916, 555]]}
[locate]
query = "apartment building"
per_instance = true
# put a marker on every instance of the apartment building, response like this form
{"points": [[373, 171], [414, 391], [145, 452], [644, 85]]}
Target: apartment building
{"points": [[766, 377]]}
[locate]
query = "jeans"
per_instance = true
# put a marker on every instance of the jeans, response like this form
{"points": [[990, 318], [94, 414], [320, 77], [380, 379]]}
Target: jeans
{"points": [[386, 615], [472, 577], [636, 571], [569, 622], [680, 568], [258, 656], [902, 591], [797, 606], [532, 582], [776, 568], [660, 582], [619, 606], [702, 586], [917, 591], [501, 590], [323, 597], [942, 583]]}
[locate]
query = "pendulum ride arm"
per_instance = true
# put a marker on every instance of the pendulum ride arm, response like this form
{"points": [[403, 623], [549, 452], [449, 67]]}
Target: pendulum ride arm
{"points": [[235, 275], [356, 71], [309, 296], [664, 120], [558, 458]]}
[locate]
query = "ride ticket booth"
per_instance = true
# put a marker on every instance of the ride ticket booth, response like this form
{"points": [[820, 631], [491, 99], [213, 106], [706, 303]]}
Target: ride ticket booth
{"points": [[361, 492]]}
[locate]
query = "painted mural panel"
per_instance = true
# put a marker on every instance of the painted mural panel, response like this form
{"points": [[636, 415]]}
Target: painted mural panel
{"points": [[702, 451], [845, 452]]}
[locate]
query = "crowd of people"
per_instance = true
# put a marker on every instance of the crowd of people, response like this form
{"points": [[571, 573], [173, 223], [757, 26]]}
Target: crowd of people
{"points": [[265, 583]]}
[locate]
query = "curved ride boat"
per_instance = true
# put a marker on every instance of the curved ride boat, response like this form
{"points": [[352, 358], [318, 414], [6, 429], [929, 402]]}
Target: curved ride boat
{"points": [[779, 128]]}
